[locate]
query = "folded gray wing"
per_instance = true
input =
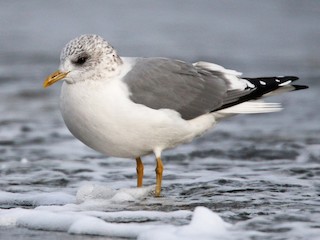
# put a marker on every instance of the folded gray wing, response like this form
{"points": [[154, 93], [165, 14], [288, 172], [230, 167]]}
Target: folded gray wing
{"points": [[165, 83]]}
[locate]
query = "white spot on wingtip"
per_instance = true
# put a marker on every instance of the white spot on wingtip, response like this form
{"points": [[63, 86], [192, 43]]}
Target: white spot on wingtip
{"points": [[263, 83], [249, 84], [277, 80], [285, 83]]}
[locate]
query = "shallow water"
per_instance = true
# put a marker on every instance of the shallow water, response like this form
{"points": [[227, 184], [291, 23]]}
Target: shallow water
{"points": [[260, 172]]}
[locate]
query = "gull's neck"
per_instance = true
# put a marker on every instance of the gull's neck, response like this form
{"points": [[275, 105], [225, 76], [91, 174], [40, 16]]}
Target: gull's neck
{"points": [[112, 65], [113, 60]]}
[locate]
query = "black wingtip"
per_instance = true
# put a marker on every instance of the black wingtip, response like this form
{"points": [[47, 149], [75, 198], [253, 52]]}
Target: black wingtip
{"points": [[299, 87], [289, 78]]}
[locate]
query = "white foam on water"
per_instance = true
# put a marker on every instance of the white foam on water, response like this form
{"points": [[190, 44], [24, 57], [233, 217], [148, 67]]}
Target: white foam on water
{"points": [[82, 215], [36, 199], [49, 221], [91, 191], [205, 224], [140, 216], [9, 217], [96, 226], [94, 191]]}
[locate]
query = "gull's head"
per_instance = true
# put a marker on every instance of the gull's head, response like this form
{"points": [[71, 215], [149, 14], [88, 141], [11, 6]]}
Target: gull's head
{"points": [[86, 58]]}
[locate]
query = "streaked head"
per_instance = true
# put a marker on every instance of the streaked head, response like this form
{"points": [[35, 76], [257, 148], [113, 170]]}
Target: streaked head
{"points": [[85, 57]]}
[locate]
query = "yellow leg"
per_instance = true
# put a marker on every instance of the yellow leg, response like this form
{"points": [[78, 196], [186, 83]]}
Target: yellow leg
{"points": [[139, 172], [159, 171]]}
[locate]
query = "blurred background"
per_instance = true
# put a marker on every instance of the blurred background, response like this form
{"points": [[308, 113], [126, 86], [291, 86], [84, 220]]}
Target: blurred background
{"points": [[249, 35]]}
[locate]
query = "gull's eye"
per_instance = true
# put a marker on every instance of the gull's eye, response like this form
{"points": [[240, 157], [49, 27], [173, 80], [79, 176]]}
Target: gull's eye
{"points": [[80, 60]]}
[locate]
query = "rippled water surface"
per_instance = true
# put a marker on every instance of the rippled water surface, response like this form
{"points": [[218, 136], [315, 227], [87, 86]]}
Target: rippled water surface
{"points": [[260, 173]]}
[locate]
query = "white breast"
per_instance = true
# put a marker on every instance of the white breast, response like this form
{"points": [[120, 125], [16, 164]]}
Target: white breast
{"points": [[101, 115]]}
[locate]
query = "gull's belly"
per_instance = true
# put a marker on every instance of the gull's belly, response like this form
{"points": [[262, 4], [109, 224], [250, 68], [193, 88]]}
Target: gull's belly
{"points": [[110, 137], [101, 123], [107, 121]]}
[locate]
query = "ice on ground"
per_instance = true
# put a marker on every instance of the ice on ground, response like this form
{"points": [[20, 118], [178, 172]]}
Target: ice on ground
{"points": [[84, 218]]}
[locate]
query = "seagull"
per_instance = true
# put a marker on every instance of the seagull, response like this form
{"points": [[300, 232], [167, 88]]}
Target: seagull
{"points": [[130, 107]]}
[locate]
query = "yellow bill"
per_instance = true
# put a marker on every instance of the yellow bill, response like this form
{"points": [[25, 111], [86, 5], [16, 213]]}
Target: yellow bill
{"points": [[54, 77]]}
